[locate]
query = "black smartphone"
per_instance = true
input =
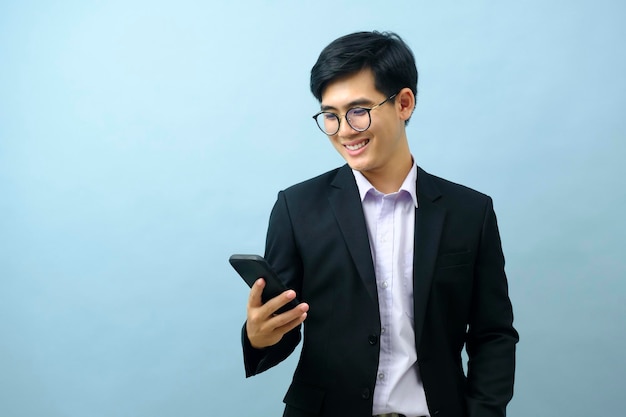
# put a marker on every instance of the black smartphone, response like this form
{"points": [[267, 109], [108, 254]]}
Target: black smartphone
{"points": [[253, 267]]}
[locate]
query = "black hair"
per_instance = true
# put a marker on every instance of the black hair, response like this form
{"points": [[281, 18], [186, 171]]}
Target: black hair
{"points": [[385, 53]]}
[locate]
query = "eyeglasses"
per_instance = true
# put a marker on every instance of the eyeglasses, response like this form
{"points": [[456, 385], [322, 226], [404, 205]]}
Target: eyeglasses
{"points": [[359, 118]]}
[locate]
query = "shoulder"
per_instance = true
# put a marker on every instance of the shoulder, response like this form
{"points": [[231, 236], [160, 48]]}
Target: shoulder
{"points": [[305, 199], [313, 195], [448, 192], [316, 184]]}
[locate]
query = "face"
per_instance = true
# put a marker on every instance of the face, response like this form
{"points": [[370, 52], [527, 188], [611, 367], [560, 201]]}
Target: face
{"points": [[381, 150]]}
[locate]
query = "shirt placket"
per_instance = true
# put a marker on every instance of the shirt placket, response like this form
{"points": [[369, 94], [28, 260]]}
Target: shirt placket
{"points": [[384, 276]]}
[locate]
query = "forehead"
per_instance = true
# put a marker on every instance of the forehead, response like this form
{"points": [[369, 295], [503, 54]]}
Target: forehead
{"points": [[358, 88]]}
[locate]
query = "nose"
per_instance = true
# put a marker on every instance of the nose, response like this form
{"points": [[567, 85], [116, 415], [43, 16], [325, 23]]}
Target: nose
{"points": [[345, 129]]}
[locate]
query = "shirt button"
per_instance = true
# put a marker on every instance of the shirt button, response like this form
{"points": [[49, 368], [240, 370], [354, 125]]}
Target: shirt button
{"points": [[381, 376], [382, 330], [385, 284]]}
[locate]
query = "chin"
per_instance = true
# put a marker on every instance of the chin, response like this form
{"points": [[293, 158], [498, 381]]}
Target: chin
{"points": [[357, 167]]}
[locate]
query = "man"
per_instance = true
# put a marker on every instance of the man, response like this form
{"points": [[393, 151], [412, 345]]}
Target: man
{"points": [[397, 269]]}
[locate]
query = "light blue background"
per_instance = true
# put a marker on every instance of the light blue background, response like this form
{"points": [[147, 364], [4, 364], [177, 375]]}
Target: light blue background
{"points": [[143, 142]]}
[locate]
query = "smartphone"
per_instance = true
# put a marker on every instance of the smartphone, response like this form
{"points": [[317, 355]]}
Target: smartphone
{"points": [[253, 267]]}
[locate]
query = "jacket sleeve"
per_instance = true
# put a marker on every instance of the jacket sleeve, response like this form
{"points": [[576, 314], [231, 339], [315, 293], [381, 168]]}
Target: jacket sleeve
{"points": [[491, 338], [281, 253]]}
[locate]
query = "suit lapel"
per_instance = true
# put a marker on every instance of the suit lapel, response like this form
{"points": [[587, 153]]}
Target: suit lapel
{"points": [[346, 204], [429, 219]]}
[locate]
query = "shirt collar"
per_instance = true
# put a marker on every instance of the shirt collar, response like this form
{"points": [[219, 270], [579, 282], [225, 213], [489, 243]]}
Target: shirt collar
{"points": [[409, 185]]}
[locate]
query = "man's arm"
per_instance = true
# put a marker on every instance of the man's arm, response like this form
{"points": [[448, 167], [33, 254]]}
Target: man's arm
{"points": [[268, 339], [491, 337]]}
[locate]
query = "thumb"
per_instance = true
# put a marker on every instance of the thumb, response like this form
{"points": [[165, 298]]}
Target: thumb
{"points": [[254, 299]]}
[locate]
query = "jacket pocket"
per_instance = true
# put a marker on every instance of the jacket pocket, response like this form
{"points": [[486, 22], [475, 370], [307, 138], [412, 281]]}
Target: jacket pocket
{"points": [[447, 260]]}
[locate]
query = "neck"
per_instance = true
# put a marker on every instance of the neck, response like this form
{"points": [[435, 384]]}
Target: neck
{"points": [[390, 179]]}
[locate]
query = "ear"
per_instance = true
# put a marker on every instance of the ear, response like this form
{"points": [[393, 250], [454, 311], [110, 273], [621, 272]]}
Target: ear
{"points": [[405, 103]]}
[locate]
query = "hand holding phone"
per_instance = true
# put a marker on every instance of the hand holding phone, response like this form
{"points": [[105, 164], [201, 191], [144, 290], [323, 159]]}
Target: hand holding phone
{"points": [[253, 267]]}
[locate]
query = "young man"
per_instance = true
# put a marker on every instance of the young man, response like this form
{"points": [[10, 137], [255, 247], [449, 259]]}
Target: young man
{"points": [[398, 269]]}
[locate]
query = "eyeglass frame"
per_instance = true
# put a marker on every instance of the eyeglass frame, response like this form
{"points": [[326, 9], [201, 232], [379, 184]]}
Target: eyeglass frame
{"points": [[343, 116]]}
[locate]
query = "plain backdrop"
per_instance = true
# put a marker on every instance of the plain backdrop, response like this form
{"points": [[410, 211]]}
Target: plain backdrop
{"points": [[143, 142]]}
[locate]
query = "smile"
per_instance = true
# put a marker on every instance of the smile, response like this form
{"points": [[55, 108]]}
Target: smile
{"points": [[357, 146]]}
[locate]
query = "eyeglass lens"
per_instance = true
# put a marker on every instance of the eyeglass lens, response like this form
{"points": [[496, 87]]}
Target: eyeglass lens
{"points": [[358, 118]]}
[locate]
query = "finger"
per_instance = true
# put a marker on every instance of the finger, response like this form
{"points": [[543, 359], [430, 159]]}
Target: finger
{"points": [[278, 321], [295, 322], [254, 299], [268, 331], [280, 300]]}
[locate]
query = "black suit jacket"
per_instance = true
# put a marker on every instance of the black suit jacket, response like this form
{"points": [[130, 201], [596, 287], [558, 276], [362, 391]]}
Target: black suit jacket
{"points": [[317, 241]]}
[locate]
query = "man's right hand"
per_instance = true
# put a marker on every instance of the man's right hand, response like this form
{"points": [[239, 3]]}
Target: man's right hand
{"points": [[264, 328]]}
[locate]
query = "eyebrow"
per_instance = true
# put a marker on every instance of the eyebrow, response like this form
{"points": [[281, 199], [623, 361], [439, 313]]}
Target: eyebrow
{"points": [[354, 103]]}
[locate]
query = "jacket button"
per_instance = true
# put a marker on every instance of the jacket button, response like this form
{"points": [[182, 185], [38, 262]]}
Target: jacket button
{"points": [[373, 339], [365, 394]]}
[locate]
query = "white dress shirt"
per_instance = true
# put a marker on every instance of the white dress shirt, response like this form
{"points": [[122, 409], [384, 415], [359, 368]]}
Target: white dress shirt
{"points": [[390, 220]]}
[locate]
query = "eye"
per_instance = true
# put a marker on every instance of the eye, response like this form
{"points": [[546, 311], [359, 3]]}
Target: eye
{"points": [[329, 116], [357, 112]]}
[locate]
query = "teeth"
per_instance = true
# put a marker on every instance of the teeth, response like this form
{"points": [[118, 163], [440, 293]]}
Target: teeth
{"points": [[357, 146]]}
